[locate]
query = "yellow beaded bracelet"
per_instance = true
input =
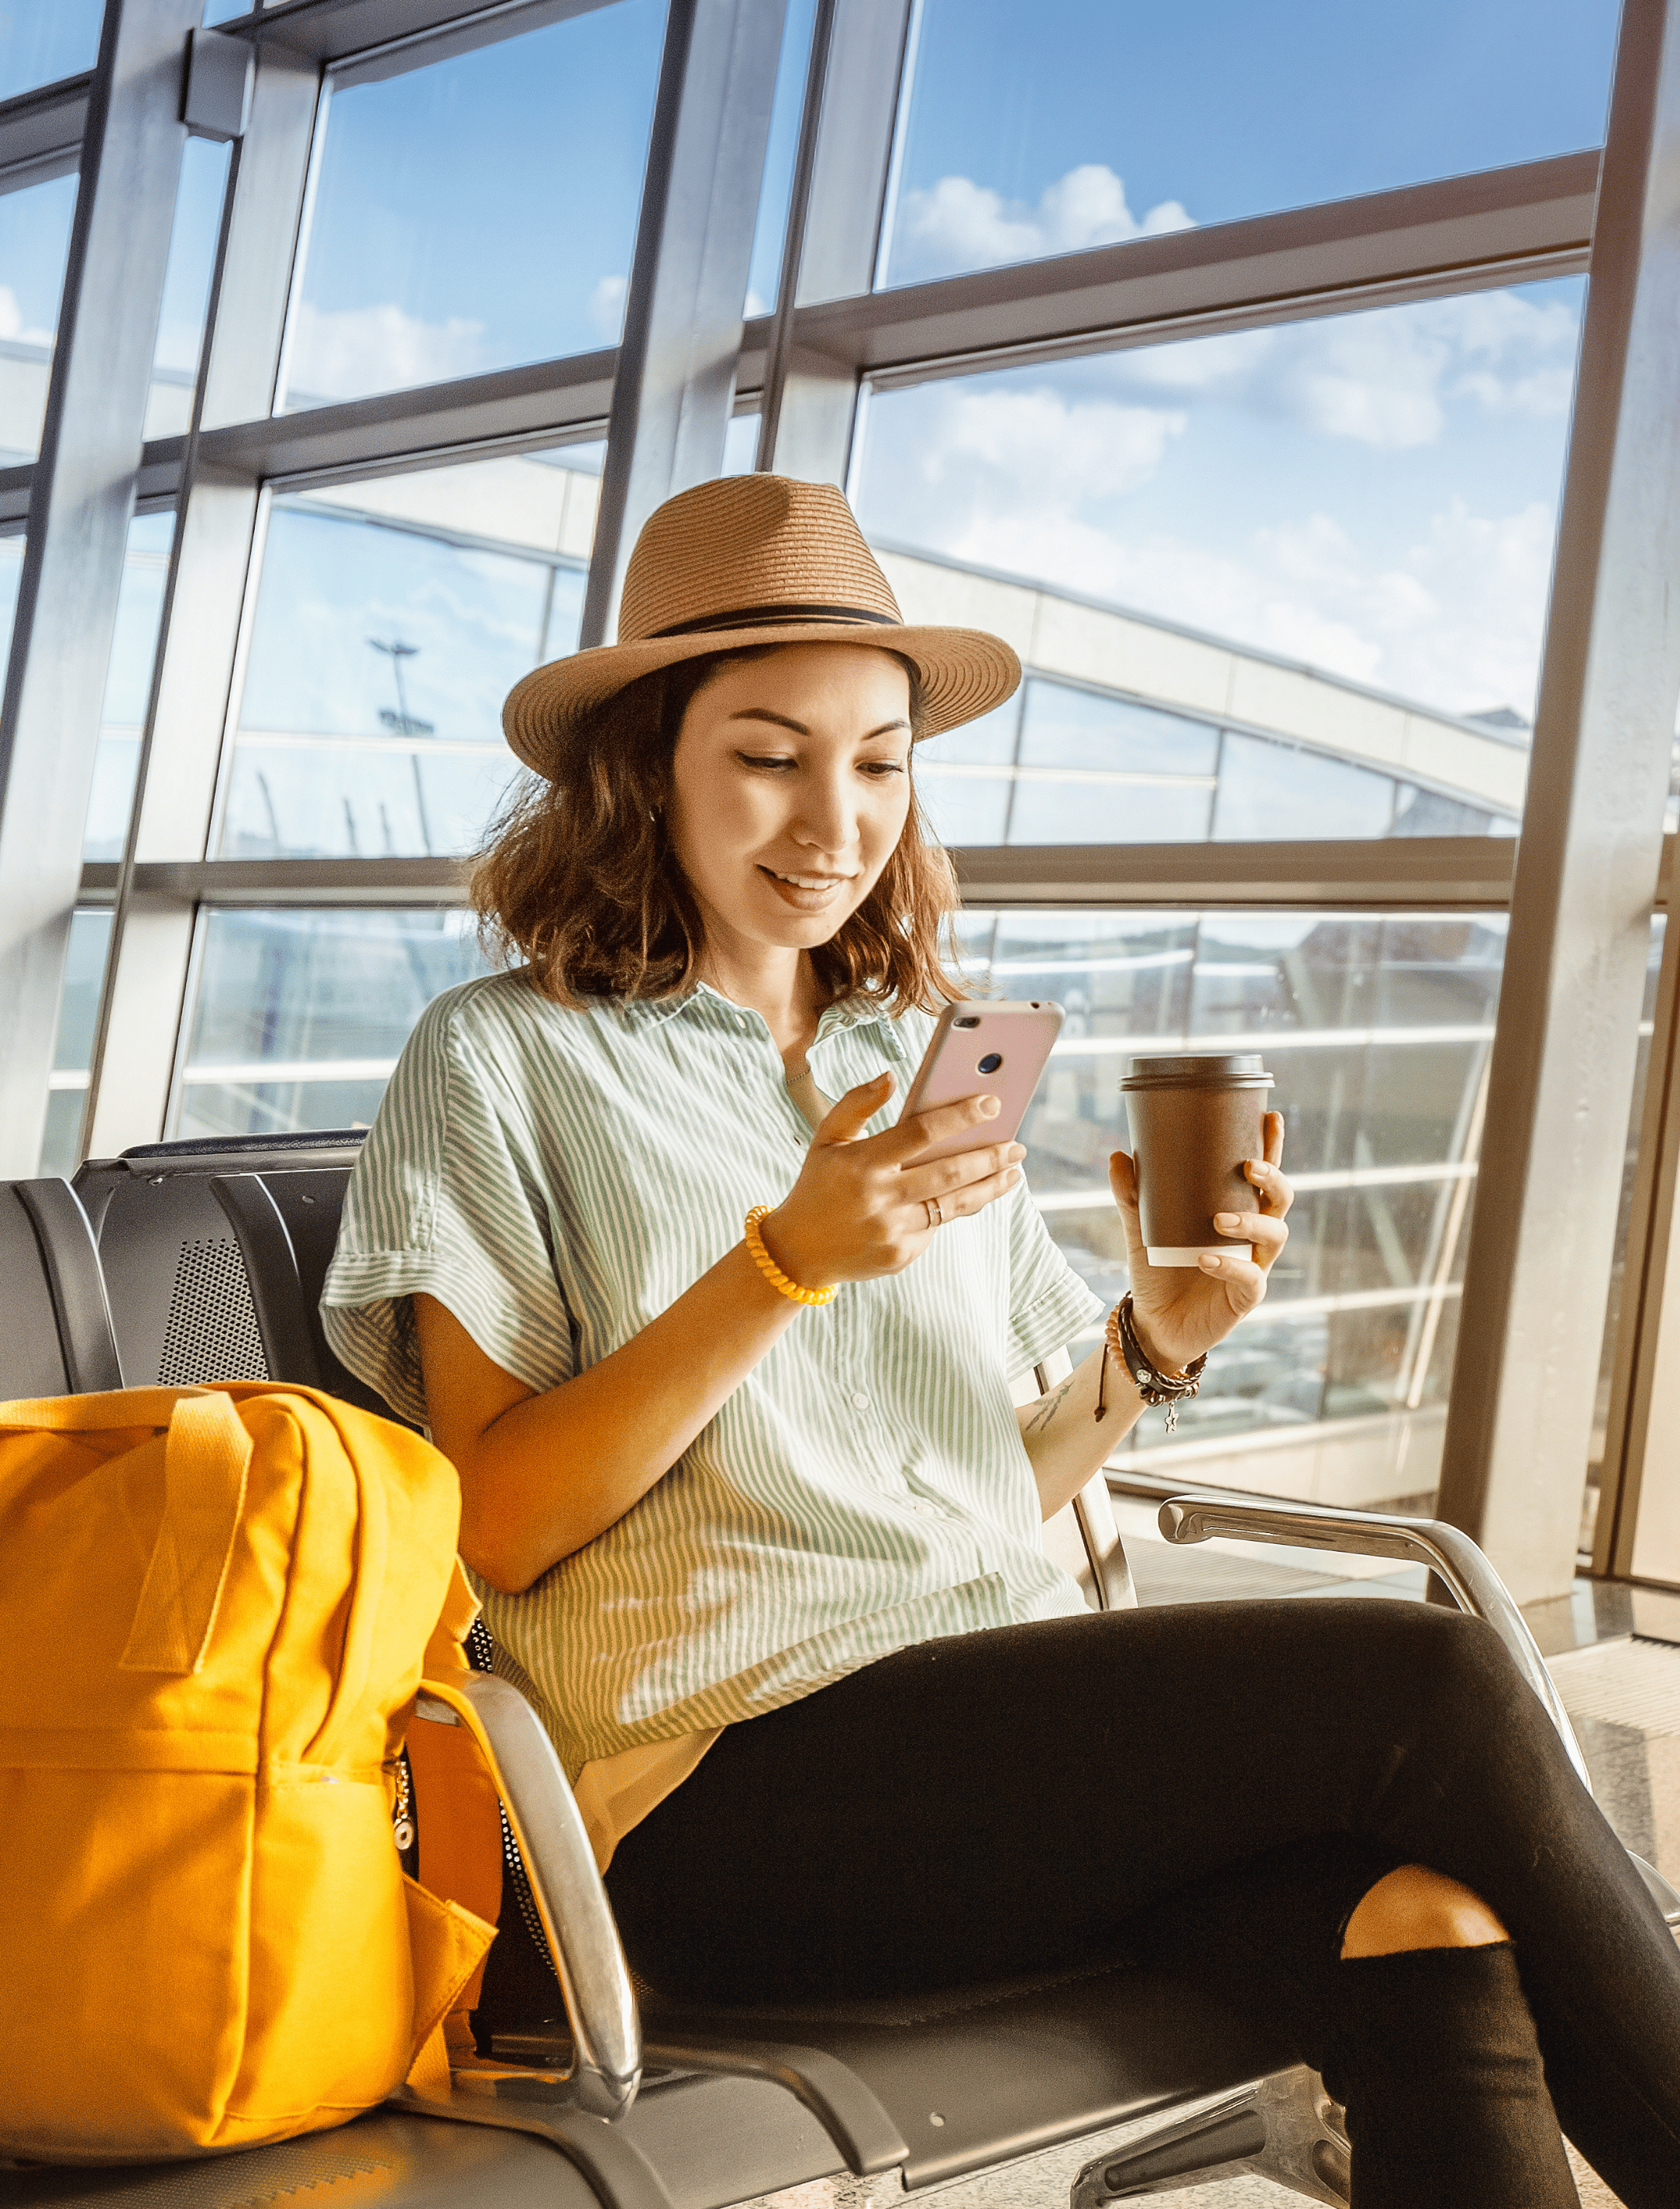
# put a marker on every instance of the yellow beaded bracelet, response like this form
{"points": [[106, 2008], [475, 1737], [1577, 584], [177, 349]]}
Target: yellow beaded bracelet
{"points": [[772, 1272]]}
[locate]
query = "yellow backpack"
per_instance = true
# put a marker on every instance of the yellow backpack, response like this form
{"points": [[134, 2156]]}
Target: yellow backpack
{"points": [[217, 1603]]}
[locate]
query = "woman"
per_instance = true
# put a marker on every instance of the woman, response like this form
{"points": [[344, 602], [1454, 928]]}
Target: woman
{"points": [[771, 1573]]}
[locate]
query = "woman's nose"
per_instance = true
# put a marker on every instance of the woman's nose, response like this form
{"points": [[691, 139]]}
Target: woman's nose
{"points": [[827, 817]]}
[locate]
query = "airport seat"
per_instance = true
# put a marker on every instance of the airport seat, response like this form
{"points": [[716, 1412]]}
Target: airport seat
{"points": [[216, 1251], [57, 1340]]}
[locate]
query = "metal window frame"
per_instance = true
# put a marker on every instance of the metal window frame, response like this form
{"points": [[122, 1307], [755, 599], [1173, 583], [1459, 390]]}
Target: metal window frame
{"points": [[1401, 873], [843, 339], [1537, 1280], [81, 494]]}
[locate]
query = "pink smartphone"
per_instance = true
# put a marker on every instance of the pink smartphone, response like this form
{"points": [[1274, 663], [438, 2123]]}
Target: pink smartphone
{"points": [[986, 1049]]}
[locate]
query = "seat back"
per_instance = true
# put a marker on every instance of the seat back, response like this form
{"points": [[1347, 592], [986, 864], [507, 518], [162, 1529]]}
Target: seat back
{"points": [[56, 1337], [214, 1254]]}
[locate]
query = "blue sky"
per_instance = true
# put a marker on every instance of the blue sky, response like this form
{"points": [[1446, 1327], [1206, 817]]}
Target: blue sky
{"points": [[1228, 108], [1376, 494], [481, 211], [34, 239]]}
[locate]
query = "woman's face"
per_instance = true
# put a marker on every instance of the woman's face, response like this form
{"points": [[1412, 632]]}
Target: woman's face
{"points": [[790, 790]]}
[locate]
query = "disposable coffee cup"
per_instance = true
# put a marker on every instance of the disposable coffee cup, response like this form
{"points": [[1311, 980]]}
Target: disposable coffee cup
{"points": [[1194, 1124]]}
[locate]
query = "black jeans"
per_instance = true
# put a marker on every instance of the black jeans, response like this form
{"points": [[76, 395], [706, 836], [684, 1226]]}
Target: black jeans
{"points": [[1232, 1776]]}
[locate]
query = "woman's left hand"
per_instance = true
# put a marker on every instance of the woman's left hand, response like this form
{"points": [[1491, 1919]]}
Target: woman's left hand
{"points": [[1179, 1312]]}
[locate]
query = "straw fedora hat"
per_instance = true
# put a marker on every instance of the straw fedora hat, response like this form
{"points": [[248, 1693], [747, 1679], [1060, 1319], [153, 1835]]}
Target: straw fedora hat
{"points": [[746, 560]]}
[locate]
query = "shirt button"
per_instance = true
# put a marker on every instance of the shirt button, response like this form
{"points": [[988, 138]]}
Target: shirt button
{"points": [[859, 1399]]}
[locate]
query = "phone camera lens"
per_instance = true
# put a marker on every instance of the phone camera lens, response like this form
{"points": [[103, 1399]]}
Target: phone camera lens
{"points": [[991, 1062], [967, 1021]]}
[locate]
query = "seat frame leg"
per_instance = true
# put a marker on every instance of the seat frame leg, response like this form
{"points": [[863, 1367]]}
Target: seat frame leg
{"points": [[1284, 2128]]}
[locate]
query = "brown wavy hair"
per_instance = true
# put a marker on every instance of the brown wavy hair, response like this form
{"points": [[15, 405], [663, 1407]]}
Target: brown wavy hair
{"points": [[577, 876]]}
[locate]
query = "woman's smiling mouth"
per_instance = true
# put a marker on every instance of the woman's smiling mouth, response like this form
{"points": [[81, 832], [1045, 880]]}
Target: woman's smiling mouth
{"points": [[807, 891]]}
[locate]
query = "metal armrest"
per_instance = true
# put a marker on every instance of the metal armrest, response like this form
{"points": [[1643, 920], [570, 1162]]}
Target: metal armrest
{"points": [[1463, 1570], [1449, 1553], [571, 1901], [1093, 1511]]}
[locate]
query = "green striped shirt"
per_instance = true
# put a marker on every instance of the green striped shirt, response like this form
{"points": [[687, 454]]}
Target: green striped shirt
{"points": [[558, 1178]]}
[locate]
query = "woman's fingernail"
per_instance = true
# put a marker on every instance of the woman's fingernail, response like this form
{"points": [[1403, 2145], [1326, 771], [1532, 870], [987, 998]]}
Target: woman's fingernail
{"points": [[1226, 1220], [1210, 1262], [991, 1107]]}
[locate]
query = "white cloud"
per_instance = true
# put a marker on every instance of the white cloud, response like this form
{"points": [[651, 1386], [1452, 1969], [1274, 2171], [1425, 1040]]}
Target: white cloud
{"points": [[1386, 378], [606, 307], [956, 223], [12, 324], [1022, 480], [1090, 449], [340, 352]]}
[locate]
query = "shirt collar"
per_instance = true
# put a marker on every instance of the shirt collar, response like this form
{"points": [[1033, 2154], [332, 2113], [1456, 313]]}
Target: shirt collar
{"points": [[711, 1007]]}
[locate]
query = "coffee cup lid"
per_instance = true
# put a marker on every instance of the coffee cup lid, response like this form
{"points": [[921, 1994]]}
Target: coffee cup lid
{"points": [[1233, 1069]]}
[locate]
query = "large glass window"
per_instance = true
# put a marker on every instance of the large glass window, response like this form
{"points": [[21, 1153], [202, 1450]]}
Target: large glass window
{"points": [[301, 1015], [1596, 1480], [78, 1013], [1378, 1032], [1327, 545], [34, 243], [11, 572], [392, 617], [43, 40], [134, 646], [1047, 126], [478, 211], [192, 261], [770, 233]]}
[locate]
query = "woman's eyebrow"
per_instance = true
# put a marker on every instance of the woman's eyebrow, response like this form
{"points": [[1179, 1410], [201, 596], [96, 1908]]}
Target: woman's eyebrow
{"points": [[799, 728]]}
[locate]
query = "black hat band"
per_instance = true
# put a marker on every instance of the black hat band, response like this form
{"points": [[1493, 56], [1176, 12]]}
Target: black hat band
{"points": [[775, 617]]}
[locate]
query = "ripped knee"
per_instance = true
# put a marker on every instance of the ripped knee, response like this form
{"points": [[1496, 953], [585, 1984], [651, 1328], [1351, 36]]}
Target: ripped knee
{"points": [[1417, 1908]]}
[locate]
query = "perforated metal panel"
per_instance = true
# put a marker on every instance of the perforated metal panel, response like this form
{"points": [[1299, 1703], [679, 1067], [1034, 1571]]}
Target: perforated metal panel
{"points": [[211, 1332]]}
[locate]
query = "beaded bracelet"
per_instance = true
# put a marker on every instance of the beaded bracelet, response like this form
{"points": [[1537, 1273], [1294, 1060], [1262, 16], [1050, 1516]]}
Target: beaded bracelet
{"points": [[772, 1272], [1153, 1385]]}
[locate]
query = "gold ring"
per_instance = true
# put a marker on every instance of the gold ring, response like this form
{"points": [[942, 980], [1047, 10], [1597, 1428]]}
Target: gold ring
{"points": [[935, 1216]]}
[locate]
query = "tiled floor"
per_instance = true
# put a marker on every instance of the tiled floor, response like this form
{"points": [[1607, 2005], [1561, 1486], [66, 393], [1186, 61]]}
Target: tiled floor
{"points": [[1622, 1688]]}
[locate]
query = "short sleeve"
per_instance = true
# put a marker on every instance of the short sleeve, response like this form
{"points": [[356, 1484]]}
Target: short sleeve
{"points": [[1049, 1304], [447, 1198]]}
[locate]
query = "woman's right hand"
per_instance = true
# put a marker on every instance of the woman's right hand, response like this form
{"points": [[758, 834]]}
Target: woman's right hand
{"points": [[859, 1208]]}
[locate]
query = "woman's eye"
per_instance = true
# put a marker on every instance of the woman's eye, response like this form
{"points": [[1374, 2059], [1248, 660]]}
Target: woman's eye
{"points": [[877, 770]]}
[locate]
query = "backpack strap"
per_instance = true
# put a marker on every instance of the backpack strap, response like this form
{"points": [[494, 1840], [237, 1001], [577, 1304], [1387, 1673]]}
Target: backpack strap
{"points": [[206, 1457], [206, 1461]]}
